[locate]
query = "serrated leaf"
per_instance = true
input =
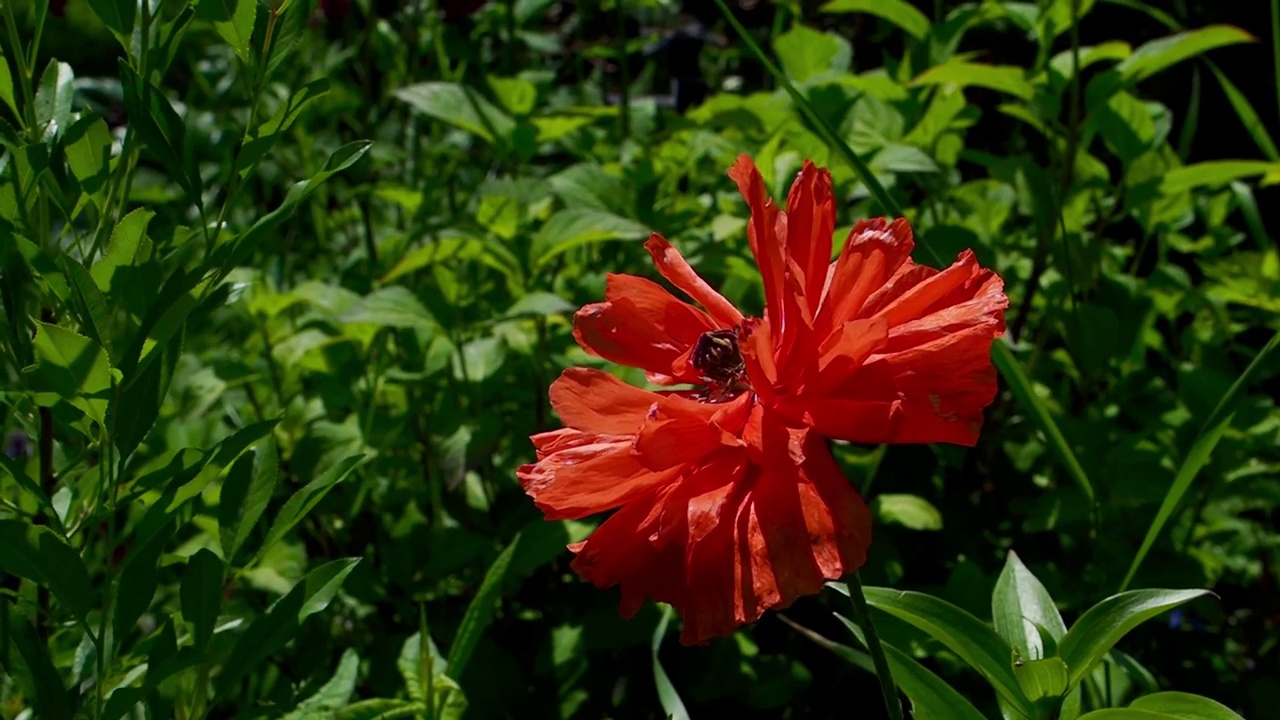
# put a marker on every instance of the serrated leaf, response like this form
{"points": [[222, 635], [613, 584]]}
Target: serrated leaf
{"points": [[117, 14], [73, 367], [238, 30], [53, 100], [575, 227]]}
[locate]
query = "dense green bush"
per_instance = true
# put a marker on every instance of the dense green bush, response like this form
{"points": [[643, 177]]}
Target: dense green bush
{"points": [[285, 284]]}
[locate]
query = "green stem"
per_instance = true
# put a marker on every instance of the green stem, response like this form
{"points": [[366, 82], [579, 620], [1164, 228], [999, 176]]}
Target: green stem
{"points": [[862, 615]]}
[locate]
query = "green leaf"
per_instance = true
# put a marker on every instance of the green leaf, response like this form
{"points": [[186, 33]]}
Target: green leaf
{"points": [[134, 410], [1156, 55], [1206, 440], [245, 493], [128, 245], [201, 594], [161, 129], [806, 54], [259, 141], [36, 553], [898, 12], [334, 694], [672, 705], [31, 667], [217, 10], [459, 106], [117, 14], [279, 624], [53, 99], [1021, 608], [302, 502], [1102, 625], [1248, 115], [910, 511], [1002, 78], [574, 227], [480, 612], [6, 89], [394, 307], [238, 30], [962, 633], [1167, 706], [89, 303], [136, 585], [74, 367], [931, 697], [1042, 679], [517, 95], [88, 147], [380, 709], [1214, 172]]}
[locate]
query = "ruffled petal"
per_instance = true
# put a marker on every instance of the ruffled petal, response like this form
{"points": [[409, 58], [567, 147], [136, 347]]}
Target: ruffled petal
{"points": [[811, 221], [672, 265], [595, 401], [874, 251], [679, 432], [640, 325], [580, 474], [763, 237]]}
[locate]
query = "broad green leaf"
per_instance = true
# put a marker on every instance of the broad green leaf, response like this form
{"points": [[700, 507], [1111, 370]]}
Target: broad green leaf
{"points": [[479, 612], [517, 95], [1198, 456], [30, 666], [53, 99], [806, 54], [36, 553], [1060, 15], [461, 107], [245, 494], [1156, 55], [965, 635], [931, 697], [117, 14], [305, 499], [334, 694], [1003, 78], [910, 511], [1042, 679], [1021, 608], [201, 594], [1102, 626], [670, 700], [394, 307], [898, 12], [136, 585], [1167, 706], [133, 411], [88, 146], [574, 227], [238, 30], [279, 624], [1214, 172], [539, 304], [74, 367], [128, 245]]}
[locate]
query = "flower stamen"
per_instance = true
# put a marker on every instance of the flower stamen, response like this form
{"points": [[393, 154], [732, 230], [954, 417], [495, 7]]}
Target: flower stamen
{"points": [[719, 360]]}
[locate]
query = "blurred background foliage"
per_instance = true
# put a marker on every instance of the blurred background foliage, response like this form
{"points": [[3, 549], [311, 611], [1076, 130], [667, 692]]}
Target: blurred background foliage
{"points": [[413, 308]]}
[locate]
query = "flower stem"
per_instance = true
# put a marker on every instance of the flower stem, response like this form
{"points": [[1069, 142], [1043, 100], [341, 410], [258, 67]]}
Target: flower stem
{"points": [[862, 615]]}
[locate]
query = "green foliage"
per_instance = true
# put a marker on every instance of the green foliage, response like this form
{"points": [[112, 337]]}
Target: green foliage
{"points": [[284, 291]]}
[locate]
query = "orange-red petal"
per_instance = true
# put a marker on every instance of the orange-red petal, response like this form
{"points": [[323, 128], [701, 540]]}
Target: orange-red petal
{"points": [[595, 401], [580, 474], [678, 272]]}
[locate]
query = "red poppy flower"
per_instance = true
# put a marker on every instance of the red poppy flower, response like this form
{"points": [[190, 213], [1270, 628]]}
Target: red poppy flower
{"points": [[728, 501]]}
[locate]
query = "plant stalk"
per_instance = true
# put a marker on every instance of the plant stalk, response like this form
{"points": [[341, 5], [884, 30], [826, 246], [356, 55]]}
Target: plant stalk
{"points": [[862, 615]]}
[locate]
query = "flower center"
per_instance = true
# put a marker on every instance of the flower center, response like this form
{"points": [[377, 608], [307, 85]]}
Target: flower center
{"points": [[717, 358]]}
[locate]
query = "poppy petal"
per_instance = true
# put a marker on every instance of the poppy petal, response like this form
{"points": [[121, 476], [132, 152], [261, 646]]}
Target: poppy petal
{"points": [[640, 325], [672, 265], [811, 220], [762, 235], [679, 432], [595, 401], [587, 474], [872, 254]]}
